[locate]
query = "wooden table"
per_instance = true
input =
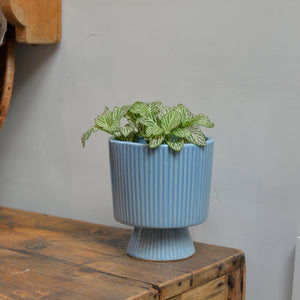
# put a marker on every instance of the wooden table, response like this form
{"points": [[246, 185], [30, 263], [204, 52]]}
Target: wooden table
{"points": [[46, 257]]}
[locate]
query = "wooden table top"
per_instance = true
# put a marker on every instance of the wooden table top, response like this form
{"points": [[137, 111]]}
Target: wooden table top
{"points": [[46, 257]]}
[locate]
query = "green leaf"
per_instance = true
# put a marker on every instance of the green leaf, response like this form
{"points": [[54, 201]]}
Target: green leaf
{"points": [[153, 130], [116, 114], [155, 141], [131, 117], [197, 137], [188, 122], [175, 144], [147, 120], [170, 121], [139, 108], [181, 132], [115, 126], [129, 138], [141, 130], [184, 111], [88, 133], [95, 129], [103, 121], [153, 122], [127, 130], [187, 118], [109, 121], [151, 127], [153, 107], [85, 136], [203, 120], [123, 110], [163, 110], [117, 134]]}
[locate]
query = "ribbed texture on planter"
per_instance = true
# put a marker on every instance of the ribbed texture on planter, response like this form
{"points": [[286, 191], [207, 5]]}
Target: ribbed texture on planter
{"points": [[160, 244], [159, 188]]}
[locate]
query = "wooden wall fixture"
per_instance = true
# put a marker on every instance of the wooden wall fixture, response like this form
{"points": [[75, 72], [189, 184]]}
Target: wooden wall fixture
{"points": [[7, 72], [35, 22]]}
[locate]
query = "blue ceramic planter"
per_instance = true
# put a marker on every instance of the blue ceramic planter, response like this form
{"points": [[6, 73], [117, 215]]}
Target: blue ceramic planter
{"points": [[160, 192]]}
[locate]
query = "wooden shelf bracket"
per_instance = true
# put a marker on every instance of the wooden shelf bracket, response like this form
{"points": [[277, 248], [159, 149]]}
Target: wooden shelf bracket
{"points": [[35, 21]]}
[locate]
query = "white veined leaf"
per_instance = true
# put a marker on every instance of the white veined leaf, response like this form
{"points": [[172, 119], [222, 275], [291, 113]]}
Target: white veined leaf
{"points": [[181, 109], [128, 138], [153, 130], [139, 121], [139, 108], [85, 136], [115, 126], [95, 129], [156, 141], [109, 118], [187, 118], [127, 130], [116, 113], [119, 113], [153, 107], [163, 110], [131, 117], [187, 122], [203, 120], [123, 110], [88, 133], [184, 111], [147, 120], [101, 121], [141, 130], [175, 144], [181, 132], [106, 122], [170, 121], [197, 137], [117, 134]]}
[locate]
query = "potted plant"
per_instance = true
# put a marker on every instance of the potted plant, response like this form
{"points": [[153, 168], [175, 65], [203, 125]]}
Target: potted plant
{"points": [[161, 165]]}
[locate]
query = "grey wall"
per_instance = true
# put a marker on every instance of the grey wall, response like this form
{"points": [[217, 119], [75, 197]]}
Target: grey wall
{"points": [[237, 61]]}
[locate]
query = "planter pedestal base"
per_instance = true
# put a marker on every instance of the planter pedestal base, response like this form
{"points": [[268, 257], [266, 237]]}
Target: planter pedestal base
{"points": [[161, 244]]}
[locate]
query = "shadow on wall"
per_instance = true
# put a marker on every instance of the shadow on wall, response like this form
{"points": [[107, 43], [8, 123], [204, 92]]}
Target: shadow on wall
{"points": [[29, 60], [31, 66]]}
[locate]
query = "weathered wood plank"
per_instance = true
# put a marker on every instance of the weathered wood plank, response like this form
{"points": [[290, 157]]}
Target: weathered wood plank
{"points": [[103, 248], [243, 283], [236, 284], [200, 276], [26, 276], [213, 290]]}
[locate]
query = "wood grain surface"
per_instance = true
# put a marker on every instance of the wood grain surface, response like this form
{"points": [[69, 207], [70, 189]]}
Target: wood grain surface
{"points": [[35, 21], [7, 73], [46, 257]]}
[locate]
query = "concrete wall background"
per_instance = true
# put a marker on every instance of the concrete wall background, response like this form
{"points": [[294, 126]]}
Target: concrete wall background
{"points": [[237, 61]]}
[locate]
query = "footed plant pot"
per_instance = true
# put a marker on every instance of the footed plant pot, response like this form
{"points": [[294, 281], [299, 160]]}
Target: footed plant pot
{"points": [[160, 192], [161, 244]]}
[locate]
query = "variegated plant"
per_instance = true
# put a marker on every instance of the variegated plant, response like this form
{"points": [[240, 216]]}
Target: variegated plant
{"points": [[153, 122]]}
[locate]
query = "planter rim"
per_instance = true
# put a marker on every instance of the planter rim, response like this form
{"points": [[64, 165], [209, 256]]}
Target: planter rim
{"points": [[209, 140]]}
